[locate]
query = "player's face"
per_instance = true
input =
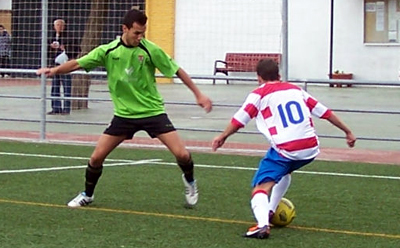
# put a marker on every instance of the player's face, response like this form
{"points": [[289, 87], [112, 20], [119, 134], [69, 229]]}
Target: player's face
{"points": [[132, 36]]}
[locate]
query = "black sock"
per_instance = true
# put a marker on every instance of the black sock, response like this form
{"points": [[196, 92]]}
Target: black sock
{"points": [[92, 175], [187, 168]]}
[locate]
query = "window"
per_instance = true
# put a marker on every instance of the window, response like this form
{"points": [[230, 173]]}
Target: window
{"points": [[382, 21]]}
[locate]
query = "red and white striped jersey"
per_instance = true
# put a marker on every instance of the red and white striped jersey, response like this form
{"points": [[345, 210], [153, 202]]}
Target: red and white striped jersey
{"points": [[283, 114]]}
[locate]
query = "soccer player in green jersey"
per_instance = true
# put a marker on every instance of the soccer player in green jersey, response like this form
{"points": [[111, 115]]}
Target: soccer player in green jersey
{"points": [[130, 63]]}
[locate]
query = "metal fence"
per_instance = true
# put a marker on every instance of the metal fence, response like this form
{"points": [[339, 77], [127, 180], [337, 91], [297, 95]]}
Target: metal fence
{"points": [[371, 108]]}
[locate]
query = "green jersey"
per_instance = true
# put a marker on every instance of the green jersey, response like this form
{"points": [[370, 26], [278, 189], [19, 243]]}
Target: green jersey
{"points": [[131, 75]]}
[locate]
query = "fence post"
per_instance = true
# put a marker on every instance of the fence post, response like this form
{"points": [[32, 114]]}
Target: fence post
{"points": [[43, 64]]}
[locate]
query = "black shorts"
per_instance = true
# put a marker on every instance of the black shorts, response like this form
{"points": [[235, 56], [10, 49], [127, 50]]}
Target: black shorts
{"points": [[154, 126]]}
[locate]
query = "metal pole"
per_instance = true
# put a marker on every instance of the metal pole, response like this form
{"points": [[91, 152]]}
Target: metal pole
{"points": [[331, 40], [284, 59], [43, 64]]}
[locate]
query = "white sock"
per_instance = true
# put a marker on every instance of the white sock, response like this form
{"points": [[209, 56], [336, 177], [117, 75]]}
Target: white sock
{"points": [[278, 191], [260, 206]]}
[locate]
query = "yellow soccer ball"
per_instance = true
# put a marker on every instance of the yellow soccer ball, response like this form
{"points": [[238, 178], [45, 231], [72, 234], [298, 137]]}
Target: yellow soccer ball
{"points": [[284, 214]]}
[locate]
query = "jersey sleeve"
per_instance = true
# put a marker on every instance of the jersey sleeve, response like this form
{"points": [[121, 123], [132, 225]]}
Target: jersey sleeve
{"points": [[316, 108], [164, 63], [93, 59], [247, 111]]}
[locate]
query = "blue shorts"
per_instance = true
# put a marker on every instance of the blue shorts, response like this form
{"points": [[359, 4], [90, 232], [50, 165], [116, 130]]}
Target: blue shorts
{"points": [[273, 167]]}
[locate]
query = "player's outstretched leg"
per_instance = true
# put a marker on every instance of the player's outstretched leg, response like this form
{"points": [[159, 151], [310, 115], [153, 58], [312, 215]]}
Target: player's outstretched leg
{"points": [[191, 190], [278, 191], [185, 163], [92, 176]]}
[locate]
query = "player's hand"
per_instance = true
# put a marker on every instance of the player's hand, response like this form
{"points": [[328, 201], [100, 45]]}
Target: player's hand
{"points": [[46, 71], [217, 142], [351, 139], [204, 102]]}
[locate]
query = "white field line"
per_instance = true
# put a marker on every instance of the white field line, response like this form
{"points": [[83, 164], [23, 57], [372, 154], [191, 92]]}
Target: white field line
{"points": [[159, 162], [146, 161], [300, 172], [56, 156], [120, 162]]}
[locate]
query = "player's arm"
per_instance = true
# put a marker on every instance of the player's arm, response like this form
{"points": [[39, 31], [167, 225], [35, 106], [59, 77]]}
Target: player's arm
{"points": [[321, 111], [67, 67], [220, 139], [169, 67], [201, 99], [335, 120], [247, 111]]}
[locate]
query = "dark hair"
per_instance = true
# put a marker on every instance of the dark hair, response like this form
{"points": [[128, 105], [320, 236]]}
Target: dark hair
{"points": [[1, 26], [268, 70], [133, 16]]}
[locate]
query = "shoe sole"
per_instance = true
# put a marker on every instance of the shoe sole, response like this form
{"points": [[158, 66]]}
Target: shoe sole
{"points": [[257, 234], [79, 206]]}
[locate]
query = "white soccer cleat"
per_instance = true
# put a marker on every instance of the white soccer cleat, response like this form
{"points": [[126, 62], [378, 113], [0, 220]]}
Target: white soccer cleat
{"points": [[80, 200], [257, 232], [191, 191]]}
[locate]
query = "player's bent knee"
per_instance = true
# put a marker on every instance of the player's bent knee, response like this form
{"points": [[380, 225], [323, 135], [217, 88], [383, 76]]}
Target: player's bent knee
{"points": [[96, 162], [183, 156]]}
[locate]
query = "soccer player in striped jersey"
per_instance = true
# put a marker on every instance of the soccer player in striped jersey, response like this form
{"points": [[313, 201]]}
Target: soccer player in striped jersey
{"points": [[283, 115], [131, 62]]}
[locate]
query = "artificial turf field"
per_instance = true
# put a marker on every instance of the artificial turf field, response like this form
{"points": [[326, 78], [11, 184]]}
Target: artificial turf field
{"points": [[139, 201]]}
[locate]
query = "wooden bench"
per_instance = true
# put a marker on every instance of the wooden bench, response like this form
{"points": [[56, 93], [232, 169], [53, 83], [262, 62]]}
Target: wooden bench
{"points": [[241, 62]]}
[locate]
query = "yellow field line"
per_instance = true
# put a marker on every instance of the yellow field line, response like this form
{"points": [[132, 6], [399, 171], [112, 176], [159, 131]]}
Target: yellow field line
{"points": [[187, 217]]}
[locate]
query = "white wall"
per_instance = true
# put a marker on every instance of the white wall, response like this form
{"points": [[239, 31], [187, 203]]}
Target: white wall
{"points": [[207, 29], [5, 4], [366, 62]]}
